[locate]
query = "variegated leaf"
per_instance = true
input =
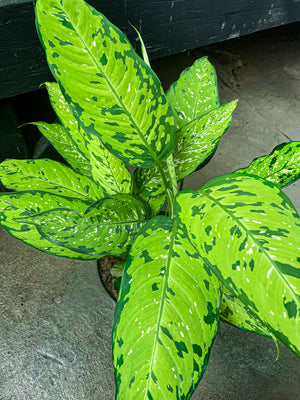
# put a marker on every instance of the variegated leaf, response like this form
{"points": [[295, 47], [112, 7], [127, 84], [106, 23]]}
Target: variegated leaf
{"points": [[66, 117], [64, 145], [235, 313], [143, 47], [117, 269], [166, 317], [107, 227], [195, 144], [111, 90], [195, 93], [248, 232], [281, 166], [28, 203], [155, 202], [106, 169], [49, 176], [148, 182]]}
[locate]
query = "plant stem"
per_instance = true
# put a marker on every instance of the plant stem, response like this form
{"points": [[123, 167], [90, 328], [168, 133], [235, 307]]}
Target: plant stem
{"points": [[171, 193], [170, 198], [172, 173]]}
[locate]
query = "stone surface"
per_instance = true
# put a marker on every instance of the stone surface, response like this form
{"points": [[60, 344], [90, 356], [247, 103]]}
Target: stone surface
{"points": [[55, 317], [55, 327]]}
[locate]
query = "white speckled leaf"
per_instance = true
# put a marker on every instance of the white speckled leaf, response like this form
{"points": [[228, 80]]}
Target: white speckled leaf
{"points": [[28, 203], [143, 47], [49, 176], [195, 93], [148, 182], [107, 170], [60, 139], [112, 92], [248, 232], [66, 117], [195, 144], [235, 313], [281, 166], [107, 227], [166, 317], [155, 202]]}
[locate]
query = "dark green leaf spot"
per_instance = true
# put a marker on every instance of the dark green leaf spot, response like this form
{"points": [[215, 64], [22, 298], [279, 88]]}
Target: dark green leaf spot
{"points": [[208, 230], [154, 287], [131, 381], [153, 376], [120, 360], [211, 316], [170, 389], [103, 59], [197, 350], [195, 211], [169, 290], [291, 308]]}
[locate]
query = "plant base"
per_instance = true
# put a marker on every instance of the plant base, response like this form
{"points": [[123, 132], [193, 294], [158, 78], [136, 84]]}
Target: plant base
{"points": [[105, 265]]}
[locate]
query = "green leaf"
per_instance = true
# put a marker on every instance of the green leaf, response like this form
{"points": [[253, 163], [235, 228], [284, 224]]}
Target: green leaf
{"points": [[166, 317], [148, 182], [117, 283], [248, 232], [111, 90], [108, 170], [62, 142], [195, 93], [234, 312], [107, 227], [155, 202], [143, 47], [281, 166], [28, 203], [67, 119], [195, 144], [117, 269], [49, 176]]}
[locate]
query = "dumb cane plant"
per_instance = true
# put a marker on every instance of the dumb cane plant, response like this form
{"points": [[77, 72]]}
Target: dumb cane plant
{"points": [[230, 250]]}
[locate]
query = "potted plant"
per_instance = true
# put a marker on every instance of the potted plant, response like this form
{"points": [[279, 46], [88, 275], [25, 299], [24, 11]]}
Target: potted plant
{"points": [[230, 250]]}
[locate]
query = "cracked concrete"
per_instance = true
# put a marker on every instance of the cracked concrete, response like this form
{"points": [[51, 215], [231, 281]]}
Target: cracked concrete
{"points": [[55, 317]]}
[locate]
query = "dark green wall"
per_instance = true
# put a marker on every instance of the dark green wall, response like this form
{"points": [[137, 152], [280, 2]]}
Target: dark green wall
{"points": [[167, 27]]}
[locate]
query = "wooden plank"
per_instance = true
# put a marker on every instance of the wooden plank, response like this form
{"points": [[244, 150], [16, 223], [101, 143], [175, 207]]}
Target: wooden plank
{"points": [[167, 26], [23, 66]]}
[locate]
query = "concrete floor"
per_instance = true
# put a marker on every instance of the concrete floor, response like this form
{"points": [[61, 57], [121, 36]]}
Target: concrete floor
{"points": [[55, 317]]}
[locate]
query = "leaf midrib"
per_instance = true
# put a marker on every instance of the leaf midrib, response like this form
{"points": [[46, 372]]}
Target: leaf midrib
{"points": [[108, 166], [71, 145], [249, 232], [54, 95], [56, 184], [119, 100], [101, 224], [162, 302]]}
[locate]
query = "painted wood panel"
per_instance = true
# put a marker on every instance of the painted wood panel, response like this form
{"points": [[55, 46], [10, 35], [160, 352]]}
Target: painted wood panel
{"points": [[167, 26]]}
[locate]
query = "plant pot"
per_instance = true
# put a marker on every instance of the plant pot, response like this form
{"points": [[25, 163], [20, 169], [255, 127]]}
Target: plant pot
{"points": [[105, 265]]}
